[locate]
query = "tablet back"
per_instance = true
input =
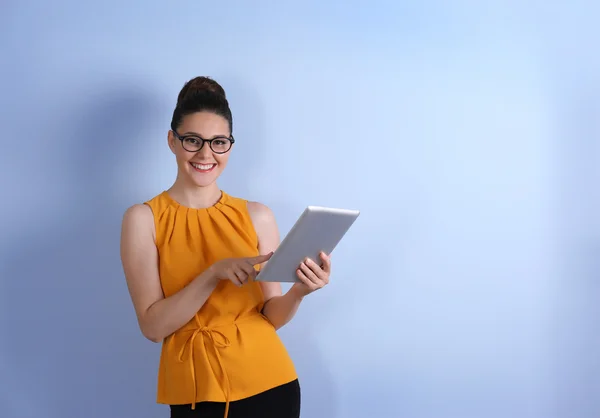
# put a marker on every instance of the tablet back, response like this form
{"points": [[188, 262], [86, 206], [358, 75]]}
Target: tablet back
{"points": [[317, 229]]}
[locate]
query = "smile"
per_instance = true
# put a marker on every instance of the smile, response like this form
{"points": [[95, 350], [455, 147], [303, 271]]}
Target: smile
{"points": [[203, 168]]}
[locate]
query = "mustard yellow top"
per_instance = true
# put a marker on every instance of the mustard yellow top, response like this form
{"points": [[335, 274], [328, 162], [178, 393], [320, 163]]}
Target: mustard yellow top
{"points": [[228, 350]]}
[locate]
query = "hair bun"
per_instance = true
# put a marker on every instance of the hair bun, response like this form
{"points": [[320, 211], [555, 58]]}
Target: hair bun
{"points": [[201, 94], [201, 85]]}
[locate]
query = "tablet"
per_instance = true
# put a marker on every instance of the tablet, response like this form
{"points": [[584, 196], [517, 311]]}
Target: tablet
{"points": [[317, 229]]}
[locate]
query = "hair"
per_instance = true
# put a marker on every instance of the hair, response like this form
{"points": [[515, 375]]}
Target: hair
{"points": [[201, 94]]}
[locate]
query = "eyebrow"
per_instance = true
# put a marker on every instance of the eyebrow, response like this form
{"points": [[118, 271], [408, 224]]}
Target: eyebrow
{"points": [[200, 136]]}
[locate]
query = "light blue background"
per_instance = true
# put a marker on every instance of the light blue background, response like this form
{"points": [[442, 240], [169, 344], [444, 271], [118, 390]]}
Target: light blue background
{"points": [[465, 131]]}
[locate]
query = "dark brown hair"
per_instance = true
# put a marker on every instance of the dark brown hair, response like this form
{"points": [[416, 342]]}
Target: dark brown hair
{"points": [[201, 94]]}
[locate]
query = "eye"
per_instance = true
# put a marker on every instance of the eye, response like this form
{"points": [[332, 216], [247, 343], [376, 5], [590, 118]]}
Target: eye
{"points": [[192, 140], [220, 142]]}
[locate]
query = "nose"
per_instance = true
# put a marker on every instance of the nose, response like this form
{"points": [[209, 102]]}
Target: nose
{"points": [[205, 151]]}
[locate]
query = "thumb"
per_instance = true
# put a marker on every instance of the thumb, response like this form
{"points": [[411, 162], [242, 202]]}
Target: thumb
{"points": [[260, 258]]}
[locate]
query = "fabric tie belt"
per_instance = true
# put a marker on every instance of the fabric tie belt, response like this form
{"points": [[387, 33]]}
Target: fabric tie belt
{"points": [[219, 340]]}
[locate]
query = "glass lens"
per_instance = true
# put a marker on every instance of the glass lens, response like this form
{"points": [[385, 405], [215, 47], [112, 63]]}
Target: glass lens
{"points": [[191, 143], [220, 145]]}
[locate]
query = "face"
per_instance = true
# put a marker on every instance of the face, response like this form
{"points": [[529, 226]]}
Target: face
{"points": [[203, 167]]}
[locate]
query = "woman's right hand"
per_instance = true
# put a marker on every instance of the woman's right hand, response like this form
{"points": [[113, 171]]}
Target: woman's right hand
{"points": [[236, 270]]}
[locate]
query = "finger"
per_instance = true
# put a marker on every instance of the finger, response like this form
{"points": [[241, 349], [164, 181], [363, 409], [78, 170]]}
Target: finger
{"points": [[315, 268], [259, 259], [230, 274], [235, 280], [249, 270], [310, 274], [318, 270], [326, 262], [240, 275], [305, 280]]}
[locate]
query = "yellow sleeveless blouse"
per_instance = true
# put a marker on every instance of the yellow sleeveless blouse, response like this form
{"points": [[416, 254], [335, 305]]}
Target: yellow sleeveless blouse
{"points": [[228, 350]]}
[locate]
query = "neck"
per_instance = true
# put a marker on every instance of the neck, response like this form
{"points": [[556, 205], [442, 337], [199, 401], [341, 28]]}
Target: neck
{"points": [[194, 196]]}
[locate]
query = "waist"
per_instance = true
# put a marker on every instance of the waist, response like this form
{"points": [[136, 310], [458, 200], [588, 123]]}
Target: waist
{"points": [[219, 323], [196, 363], [200, 346]]}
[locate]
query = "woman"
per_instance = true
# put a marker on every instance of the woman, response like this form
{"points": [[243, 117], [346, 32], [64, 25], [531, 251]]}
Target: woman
{"points": [[190, 256]]}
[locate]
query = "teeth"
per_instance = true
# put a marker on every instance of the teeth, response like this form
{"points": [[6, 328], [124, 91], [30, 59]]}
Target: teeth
{"points": [[203, 166]]}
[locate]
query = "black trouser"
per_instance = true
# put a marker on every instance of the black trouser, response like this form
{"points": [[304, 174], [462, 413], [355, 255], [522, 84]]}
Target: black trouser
{"points": [[280, 402]]}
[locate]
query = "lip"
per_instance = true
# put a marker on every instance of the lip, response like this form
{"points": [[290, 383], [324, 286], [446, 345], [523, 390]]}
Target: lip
{"points": [[203, 171]]}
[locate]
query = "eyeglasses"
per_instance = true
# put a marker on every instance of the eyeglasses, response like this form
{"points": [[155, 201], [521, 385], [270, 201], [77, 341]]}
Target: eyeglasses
{"points": [[194, 143]]}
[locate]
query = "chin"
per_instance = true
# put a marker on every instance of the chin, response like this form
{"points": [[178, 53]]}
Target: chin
{"points": [[202, 184]]}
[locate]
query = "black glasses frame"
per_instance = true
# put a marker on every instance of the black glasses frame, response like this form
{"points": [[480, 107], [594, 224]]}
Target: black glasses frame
{"points": [[210, 142]]}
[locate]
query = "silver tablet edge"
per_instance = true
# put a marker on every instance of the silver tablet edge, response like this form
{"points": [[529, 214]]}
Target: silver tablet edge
{"points": [[312, 208], [350, 212]]}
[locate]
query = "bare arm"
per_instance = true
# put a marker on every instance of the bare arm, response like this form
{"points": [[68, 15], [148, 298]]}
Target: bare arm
{"points": [[278, 308], [157, 316]]}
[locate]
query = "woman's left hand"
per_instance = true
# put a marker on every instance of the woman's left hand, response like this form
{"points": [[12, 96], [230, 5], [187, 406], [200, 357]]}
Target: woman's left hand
{"points": [[312, 276]]}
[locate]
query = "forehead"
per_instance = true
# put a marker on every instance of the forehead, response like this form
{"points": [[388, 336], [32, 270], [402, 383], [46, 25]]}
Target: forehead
{"points": [[206, 124]]}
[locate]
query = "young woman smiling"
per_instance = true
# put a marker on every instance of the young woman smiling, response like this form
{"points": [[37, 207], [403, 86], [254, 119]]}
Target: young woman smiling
{"points": [[190, 256]]}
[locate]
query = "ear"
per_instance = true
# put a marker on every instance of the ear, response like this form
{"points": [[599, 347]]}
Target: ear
{"points": [[171, 141]]}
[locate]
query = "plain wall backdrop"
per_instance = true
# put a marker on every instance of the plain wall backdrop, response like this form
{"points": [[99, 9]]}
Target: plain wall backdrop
{"points": [[466, 132]]}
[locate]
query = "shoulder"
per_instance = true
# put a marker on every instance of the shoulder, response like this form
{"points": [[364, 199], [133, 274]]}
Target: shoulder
{"points": [[260, 213], [139, 212], [138, 218], [261, 216], [265, 225], [144, 213]]}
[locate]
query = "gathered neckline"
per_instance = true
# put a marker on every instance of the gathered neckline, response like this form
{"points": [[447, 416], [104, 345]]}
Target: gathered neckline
{"points": [[175, 203]]}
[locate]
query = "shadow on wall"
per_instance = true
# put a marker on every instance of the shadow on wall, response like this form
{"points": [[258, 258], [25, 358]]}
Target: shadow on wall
{"points": [[72, 346], [72, 341], [319, 398], [577, 344]]}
